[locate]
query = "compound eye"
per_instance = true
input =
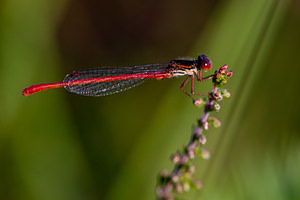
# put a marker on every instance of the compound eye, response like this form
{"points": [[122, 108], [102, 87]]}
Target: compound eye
{"points": [[205, 65]]}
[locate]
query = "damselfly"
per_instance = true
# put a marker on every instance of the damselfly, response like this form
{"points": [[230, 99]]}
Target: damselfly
{"points": [[109, 80]]}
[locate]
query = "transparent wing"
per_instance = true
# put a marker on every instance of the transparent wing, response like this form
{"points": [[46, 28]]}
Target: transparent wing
{"points": [[110, 87]]}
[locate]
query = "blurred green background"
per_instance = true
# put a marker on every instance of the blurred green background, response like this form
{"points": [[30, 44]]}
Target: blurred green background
{"points": [[58, 145]]}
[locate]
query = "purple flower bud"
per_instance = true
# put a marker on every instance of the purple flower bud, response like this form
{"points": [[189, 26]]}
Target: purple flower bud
{"points": [[223, 69], [198, 131], [229, 74]]}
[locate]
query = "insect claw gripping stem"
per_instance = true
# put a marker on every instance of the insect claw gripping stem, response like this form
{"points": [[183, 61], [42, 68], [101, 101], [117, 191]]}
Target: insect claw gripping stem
{"points": [[184, 83], [200, 79]]}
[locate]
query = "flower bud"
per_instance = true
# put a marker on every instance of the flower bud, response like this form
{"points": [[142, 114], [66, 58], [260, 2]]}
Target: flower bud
{"points": [[175, 178], [218, 76], [202, 139], [198, 184], [186, 187], [217, 107], [159, 191], [198, 130], [205, 154], [224, 81], [205, 125], [179, 188], [191, 154], [175, 158], [164, 173], [229, 74], [214, 122], [223, 69], [226, 94], [199, 102], [217, 96], [192, 169]]}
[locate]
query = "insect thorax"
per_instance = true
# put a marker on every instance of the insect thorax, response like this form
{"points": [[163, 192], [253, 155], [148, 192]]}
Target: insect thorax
{"points": [[182, 67]]}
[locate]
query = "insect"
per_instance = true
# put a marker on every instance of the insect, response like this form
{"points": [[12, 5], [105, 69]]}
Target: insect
{"points": [[110, 80]]}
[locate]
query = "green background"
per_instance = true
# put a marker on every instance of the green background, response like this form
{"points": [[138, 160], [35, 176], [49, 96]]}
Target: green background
{"points": [[58, 145]]}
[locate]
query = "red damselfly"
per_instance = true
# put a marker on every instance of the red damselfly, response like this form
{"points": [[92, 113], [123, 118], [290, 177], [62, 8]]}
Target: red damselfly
{"points": [[109, 80]]}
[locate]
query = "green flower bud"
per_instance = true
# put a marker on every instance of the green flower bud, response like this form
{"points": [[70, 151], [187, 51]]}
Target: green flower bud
{"points": [[226, 94]]}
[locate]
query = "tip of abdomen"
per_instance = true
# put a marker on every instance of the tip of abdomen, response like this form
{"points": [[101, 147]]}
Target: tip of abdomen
{"points": [[26, 92]]}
